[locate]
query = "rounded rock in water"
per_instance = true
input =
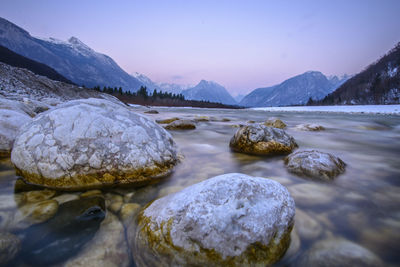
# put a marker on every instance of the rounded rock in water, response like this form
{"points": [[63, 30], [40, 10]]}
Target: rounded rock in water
{"points": [[91, 143], [276, 123], [75, 223], [339, 252], [9, 247], [231, 219], [315, 164], [262, 140]]}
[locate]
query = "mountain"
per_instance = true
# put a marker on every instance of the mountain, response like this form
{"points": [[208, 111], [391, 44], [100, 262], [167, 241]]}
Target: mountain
{"points": [[164, 87], [379, 83], [9, 57], [239, 97], [72, 59], [22, 85], [294, 91], [173, 87], [209, 91]]}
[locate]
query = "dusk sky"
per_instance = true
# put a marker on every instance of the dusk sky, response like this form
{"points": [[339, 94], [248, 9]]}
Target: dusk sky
{"points": [[242, 45]]}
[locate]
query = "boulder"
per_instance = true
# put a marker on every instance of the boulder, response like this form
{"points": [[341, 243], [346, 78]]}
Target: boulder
{"points": [[338, 252], [181, 125], [276, 123], [16, 106], [231, 219], [262, 140], [91, 143], [310, 127], [10, 122], [315, 164]]}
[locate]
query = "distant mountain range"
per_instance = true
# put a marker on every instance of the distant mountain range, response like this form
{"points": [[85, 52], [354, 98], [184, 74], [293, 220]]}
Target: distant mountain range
{"points": [[11, 58], [379, 83], [209, 91], [72, 59], [165, 87], [294, 91]]}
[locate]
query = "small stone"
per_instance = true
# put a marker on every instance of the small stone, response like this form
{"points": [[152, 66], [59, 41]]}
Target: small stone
{"points": [[9, 247], [202, 118], [276, 123], [153, 111], [61, 199], [307, 227], [166, 121], [262, 140], [169, 190], [312, 194], [315, 164], [91, 193], [38, 196], [309, 127], [35, 213], [181, 125], [339, 252], [115, 207], [128, 211]]}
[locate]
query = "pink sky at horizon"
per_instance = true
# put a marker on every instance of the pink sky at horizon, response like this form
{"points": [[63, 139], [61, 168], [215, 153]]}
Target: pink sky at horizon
{"points": [[240, 45]]}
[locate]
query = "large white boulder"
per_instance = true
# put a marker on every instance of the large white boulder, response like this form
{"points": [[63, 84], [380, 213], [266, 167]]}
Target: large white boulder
{"points": [[91, 143], [231, 219], [10, 122]]}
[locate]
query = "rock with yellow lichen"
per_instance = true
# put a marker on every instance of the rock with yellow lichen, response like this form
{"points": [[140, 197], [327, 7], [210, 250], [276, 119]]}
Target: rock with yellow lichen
{"points": [[92, 143], [276, 123], [259, 139], [228, 220]]}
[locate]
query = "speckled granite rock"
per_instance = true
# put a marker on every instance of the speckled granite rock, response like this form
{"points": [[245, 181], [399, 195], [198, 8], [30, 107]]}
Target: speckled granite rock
{"points": [[10, 122], [262, 140], [338, 252], [315, 164], [276, 123], [231, 219], [92, 143], [181, 125]]}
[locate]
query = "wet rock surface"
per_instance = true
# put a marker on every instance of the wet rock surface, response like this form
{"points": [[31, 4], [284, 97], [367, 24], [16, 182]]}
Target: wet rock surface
{"points": [[339, 252], [315, 164], [231, 219], [10, 122], [181, 125], [9, 247], [75, 223], [262, 140], [92, 143], [276, 123]]}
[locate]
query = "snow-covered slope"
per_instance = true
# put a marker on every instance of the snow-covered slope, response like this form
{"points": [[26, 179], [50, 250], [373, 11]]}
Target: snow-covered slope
{"points": [[209, 91], [73, 59], [294, 91]]}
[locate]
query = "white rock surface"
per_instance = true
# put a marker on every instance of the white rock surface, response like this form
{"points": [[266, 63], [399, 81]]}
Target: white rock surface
{"points": [[226, 214], [99, 140], [16, 106], [10, 122], [315, 164]]}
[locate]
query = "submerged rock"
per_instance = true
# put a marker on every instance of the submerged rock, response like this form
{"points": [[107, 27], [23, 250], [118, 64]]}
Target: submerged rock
{"points": [[339, 252], [181, 125], [231, 219], [10, 122], [92, 143], [107, 248], [152, 111], [315, 164], [75, 223], [262, 140], [9, 247], [166, 121], [307, 227], [310, 127], [276, 123]]}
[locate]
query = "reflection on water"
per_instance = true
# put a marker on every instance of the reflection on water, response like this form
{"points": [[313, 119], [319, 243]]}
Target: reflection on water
{"points": [[362, 205]]}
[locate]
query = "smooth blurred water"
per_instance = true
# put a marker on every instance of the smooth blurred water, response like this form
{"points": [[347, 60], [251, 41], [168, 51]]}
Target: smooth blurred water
{"points": [[362, 205]]}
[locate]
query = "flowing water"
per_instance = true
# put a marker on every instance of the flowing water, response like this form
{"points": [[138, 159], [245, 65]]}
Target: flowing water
{"points": [[362, 205]]}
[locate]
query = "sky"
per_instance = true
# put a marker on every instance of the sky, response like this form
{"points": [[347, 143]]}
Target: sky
{"points": [[241, 45]]}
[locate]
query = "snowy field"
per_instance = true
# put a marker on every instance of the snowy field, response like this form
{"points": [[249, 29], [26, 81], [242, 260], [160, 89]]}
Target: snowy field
{"points": [[383, 109]]}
